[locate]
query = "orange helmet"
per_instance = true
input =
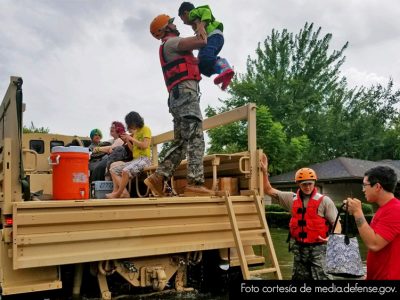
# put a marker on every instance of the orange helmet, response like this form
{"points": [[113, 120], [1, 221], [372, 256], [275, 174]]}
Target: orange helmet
{"points": [[157, 26], [305, 174]]}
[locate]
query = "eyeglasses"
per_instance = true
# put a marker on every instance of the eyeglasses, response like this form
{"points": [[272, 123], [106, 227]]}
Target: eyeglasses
{"points": [[365, 184]]}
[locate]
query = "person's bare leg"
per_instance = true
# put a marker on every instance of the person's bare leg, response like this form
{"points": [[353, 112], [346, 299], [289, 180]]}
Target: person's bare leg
{"points": [[115, 180], [122, 192], [116, 185]]}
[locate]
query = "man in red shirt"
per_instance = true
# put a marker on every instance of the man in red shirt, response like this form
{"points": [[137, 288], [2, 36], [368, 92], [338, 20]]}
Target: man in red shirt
{"points": [[382, 236]]}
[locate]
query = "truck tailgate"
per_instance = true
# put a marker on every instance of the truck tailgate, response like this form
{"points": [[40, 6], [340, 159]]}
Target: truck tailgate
{"points": [[47, 233]]}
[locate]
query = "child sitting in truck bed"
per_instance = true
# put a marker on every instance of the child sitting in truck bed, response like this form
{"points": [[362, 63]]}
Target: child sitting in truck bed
{"points": [[139, 143]]}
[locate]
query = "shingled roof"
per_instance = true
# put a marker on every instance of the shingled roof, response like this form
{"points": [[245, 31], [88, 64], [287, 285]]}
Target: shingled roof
{"points": [[338, 169]]}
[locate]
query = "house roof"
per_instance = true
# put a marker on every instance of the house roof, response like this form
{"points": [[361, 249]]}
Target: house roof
{"points": [[339, 169]]}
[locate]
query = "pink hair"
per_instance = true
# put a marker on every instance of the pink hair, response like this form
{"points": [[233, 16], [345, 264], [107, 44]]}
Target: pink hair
{"points": [[119, 127]]}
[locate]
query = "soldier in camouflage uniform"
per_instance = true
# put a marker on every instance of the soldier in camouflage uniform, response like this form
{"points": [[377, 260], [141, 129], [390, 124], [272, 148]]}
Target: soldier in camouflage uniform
{"points": [[313, 214], [182, 76]]}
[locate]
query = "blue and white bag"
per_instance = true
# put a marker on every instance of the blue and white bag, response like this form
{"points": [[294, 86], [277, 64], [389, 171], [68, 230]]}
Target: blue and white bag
{"points": [[343, 253]]}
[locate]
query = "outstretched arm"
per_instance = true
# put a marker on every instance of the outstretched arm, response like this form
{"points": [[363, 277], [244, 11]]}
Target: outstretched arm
{"points": [[268, 189], [191, 43]]}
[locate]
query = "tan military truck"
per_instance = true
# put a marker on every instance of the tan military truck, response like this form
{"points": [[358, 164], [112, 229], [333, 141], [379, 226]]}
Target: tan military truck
{"points": [[151, 243]]}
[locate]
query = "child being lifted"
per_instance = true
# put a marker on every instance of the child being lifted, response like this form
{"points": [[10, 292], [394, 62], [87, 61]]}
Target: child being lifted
{"points": [[206, 27]]}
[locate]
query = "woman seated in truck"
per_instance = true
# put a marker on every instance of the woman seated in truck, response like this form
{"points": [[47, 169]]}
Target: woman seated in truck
{"points": [[138, 141], [116, 130]]}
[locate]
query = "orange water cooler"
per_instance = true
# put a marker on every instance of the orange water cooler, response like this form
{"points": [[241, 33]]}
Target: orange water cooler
{"points": [[70, 172]]}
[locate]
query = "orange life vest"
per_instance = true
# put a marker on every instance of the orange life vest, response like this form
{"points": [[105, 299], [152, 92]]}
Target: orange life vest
{"points": [[182, 68], [306, 225]]}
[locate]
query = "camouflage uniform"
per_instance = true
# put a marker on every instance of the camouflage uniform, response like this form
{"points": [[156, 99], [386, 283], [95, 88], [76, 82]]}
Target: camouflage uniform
{"points": [[184, 105], [309, 262]]}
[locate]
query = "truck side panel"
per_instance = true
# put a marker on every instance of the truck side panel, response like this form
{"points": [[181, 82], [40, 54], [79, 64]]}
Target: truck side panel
{"points": [[63, 232]]}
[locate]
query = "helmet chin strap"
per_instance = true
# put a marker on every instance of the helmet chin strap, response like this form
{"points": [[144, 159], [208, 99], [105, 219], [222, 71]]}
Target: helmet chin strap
{"points": [[172, 30]]}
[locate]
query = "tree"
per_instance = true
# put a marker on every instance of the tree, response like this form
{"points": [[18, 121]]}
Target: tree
{"points": [[270, 137], [165, 148], [33, 129], [298, 79], [371, 121]]}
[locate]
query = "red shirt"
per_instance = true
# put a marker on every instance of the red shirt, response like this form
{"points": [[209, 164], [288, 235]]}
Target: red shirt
{"points": [[385, 263]]}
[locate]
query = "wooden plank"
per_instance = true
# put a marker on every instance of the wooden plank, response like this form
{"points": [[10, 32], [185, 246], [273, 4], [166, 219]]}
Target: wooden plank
{"points": [[236, 236], [250, 261], [267, 236], [263, 271]]}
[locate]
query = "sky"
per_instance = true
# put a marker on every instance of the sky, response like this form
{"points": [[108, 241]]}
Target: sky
{"points": [[86, 63]]}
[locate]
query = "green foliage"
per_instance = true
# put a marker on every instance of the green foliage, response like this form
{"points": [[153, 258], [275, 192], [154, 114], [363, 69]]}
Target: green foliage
{"points": [[270, 137], [278, 219], [33, 129], [369, 119], [274, 208], [367, 208], [164, 150], [306, 111], [230, 138]]}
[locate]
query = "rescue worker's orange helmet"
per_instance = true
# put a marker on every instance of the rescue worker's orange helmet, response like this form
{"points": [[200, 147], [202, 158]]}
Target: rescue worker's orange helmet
{"points": [[305, 174], [158, 25]]}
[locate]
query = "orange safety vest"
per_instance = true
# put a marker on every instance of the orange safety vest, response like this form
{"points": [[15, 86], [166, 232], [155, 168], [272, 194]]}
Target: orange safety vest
{"points": [[306, 225], [182, 68]]}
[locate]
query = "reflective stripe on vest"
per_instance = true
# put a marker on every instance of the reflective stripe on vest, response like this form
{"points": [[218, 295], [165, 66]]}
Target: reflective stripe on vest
{"points": [[180, 69], [306, 225]]}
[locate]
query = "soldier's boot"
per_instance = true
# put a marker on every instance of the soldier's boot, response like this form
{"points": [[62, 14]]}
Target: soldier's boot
{"points": [[225, 72], [197, 190], [155, 183]]}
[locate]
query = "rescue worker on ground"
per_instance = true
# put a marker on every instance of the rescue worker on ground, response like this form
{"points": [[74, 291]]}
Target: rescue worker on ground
{"points": [[182, 76], [313, 214]]}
